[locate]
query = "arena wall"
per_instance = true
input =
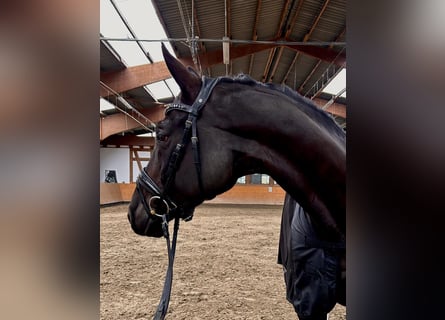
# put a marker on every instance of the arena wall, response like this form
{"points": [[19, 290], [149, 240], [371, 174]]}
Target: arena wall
{"points": [[240, 194]]}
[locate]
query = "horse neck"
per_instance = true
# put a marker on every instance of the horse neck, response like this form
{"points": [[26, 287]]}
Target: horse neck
{"points": [[285, 138]]}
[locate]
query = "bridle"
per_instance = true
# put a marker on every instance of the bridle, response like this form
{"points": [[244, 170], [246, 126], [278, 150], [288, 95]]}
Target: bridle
{"points": [[190, 133], [160, 205]]}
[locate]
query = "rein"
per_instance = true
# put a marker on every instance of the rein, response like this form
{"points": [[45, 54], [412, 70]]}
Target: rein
{"points": [[161, 311], [160, 205]]}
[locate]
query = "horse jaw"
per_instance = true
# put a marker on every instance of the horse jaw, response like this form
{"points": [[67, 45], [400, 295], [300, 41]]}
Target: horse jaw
{"points": [[186, 78]]}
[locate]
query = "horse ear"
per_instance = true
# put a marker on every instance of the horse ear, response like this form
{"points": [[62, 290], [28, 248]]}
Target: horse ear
{"points": [[190, 69], [188, 81]]}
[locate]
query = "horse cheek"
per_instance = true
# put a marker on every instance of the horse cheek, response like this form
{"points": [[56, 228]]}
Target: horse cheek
{"points": [[218, 171]]}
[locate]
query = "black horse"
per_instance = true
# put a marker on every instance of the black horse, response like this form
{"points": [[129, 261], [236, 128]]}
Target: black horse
{"points": [[218, 130]]}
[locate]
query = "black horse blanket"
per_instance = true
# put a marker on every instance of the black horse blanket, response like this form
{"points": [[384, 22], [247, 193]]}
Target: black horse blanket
{"points": [[311, 266]]}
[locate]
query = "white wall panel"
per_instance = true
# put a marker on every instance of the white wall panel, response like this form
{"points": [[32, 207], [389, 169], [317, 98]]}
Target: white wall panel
{"points": [[115, 159]]}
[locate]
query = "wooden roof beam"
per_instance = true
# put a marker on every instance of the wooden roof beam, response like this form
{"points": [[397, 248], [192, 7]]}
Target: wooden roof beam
{"points": [[228, 31], [294, 60], [279, 34], [309, 75], [319, 62], [201, 45], [129, 140], [329, 57], [286, 35], [314, 24], [216, 56], [133, 77], [229, 18], [138, 76], [325, 54], [341, 59], [294, 19], [336, 109], [277, 62], [119, 122], [255, 33]]}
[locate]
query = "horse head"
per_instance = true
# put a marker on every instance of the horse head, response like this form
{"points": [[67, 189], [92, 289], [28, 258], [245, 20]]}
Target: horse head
{"points": [[180, 175]]}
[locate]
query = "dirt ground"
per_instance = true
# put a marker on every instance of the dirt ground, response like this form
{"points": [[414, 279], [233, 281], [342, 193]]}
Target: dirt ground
{"points": [[225, 267]]}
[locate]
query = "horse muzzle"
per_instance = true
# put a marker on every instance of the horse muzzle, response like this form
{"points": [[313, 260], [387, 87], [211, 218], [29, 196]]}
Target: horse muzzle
{"points": [[142, 223]]}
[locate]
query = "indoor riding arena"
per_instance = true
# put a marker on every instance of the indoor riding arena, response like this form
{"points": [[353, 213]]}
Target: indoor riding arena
{"points": [[225, 266], [226, 256]]}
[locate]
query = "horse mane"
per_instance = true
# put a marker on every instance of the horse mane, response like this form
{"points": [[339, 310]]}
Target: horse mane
{"points": [[308, 106]]}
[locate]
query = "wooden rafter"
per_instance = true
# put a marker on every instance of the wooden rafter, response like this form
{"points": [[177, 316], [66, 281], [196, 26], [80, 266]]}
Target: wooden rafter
{"points": [[133, 77], [278, 35], [216, 56], [286, 35], [255, 33], [129, 140], [336, 109], [289, 31], [229, 18], [309, 75], [134, 156], [229, 30], [202, 47], [306, 38], [314, 24], [319, 62], [119, 122], [277, 62], [138, 76], [326, 54], [294, 60]]}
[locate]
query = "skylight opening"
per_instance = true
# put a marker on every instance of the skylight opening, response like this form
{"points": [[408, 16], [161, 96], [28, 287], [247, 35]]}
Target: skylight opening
{"points": [[337, 84], [148, 134], [142, 18], [111, 25], [173, 86], [105, 105], [145, 26], [159, 90], [130, 52]]}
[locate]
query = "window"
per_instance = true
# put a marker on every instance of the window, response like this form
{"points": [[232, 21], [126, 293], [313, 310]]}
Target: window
{"points": [[259, 178], [265, 179], [241, 180]]}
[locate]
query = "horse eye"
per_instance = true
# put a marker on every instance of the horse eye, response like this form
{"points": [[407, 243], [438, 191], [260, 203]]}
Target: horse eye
{"points": [[161, 137]]}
